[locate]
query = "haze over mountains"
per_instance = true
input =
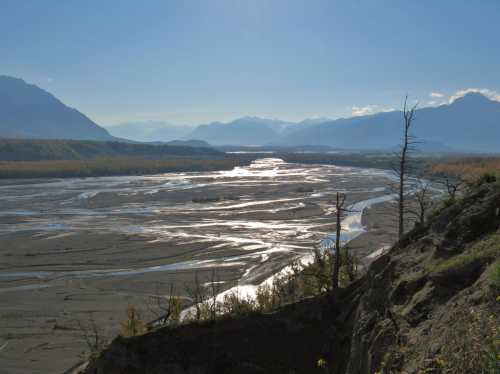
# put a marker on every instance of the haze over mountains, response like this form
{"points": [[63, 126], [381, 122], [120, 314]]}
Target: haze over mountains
{"points": [[27, 111], [150, 131], [470, 123]]}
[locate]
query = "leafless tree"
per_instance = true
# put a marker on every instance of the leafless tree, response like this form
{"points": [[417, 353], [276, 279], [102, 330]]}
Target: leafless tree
{"points": [[452, 186], [198, 296], [339, 206], [214, 291], [94, 340], [165, 309], [407, 146], [422, 202]]}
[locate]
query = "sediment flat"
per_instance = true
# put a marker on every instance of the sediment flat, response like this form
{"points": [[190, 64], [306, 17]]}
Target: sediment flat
{"points": [[77, 252]]}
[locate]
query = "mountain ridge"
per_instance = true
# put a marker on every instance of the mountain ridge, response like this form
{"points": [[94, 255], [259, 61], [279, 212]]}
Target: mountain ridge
{"points": [[470, 123], [28, 111]]}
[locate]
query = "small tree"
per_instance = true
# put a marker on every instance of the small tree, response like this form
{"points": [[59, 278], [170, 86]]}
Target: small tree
{"points": [[452, 186], [422, 202], [133, 325]]}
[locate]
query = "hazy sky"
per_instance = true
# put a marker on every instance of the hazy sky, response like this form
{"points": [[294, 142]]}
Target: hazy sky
{"points": [[189, 61]]}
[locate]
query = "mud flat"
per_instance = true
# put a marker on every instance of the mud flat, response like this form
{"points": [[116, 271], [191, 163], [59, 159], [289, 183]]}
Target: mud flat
{"points": [[76, 250]]}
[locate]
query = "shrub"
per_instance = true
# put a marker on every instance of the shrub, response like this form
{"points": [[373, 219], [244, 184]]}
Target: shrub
{"points": [[234, 304], [133, 325]]}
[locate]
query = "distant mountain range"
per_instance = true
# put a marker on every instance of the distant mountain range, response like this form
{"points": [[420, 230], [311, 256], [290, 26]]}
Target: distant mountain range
{"points": [[27, 111], [150, 131], [243, 131], [470, 123]]}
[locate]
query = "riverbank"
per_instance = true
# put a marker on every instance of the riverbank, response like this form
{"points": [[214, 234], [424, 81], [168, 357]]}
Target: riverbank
{"points": [[76, 251]]}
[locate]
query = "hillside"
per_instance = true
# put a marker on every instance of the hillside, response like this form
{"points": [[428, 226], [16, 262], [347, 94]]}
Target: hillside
{"points": [[27, 111], [430, 305], [35, 150]]}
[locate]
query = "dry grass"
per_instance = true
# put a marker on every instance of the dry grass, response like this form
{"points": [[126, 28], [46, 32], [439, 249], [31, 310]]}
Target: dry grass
{"points": [[468, 168]]}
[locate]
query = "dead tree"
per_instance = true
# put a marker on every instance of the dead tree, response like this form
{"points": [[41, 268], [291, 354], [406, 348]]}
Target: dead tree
{"points": [[452, 186], [407, 145], [165, 309], [422, 201], [339, 205]]}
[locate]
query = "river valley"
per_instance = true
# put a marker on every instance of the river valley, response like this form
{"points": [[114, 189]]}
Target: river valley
{"points": [[80, 250]]}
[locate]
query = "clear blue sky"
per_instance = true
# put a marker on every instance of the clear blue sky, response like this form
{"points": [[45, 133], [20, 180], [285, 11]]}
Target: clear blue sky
{"points": [[189, 61]]}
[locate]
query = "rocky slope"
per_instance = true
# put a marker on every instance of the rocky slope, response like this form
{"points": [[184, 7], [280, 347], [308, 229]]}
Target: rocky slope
{"points": [[428, 306]]}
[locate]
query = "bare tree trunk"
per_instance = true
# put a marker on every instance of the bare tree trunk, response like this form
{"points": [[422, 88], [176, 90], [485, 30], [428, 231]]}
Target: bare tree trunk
{"points": [[409, 116], [339, 204]]}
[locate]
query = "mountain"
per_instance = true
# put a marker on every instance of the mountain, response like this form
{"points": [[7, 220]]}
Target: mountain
{"points": [[27, 111], [251, 131], [242, 131], [309, 122], [150, 131], [470, 123]]}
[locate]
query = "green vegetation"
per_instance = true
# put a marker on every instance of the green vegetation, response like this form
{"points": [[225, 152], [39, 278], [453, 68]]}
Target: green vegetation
{"points": [[37, 150], [483, 251], [494, 275], [378, 160], [112, 166]]}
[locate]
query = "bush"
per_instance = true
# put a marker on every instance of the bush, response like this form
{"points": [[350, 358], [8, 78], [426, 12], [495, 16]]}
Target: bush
{"points": [[233, 304], [133, 325]]}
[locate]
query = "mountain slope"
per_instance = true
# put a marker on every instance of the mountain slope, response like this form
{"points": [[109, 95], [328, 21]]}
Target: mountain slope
{"points": [[470, 123], [243, 131], [27, 111], [428, 306]]}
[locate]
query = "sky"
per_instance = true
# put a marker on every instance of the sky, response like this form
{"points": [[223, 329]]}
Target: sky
{"points": [[191, 62]]}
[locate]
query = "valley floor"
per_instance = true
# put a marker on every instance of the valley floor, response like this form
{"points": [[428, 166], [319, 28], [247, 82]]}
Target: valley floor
{"points": [[82, 252]]}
